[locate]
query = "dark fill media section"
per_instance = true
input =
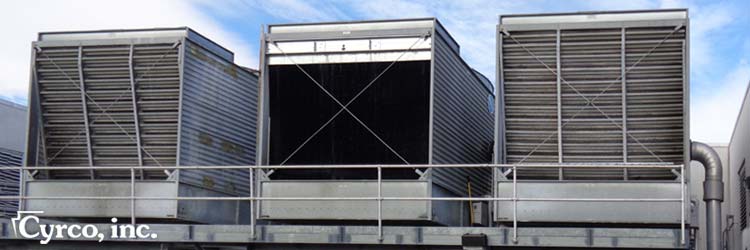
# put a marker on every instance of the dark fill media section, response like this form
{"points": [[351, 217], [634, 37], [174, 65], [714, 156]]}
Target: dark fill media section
{"points": [[395, 107]]}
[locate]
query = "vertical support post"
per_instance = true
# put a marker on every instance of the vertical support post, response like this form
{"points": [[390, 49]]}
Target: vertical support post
{"points": [[82, 86], [259, 175], [558, 63], [380, 204], [132, 195], [682, 204], [493, 205], [623, 81], [252, 202], [624, 96], [515, 207], [136, 120]]}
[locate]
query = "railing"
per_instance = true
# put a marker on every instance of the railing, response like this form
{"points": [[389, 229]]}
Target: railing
{"points": [[254, 199]]}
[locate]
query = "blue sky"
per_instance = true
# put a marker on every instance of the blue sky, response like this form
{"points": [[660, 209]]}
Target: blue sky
{"points": [[720, 35]]}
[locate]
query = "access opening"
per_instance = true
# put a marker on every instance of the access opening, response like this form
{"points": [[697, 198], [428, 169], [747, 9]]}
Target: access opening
{"points": [[395, 107]]}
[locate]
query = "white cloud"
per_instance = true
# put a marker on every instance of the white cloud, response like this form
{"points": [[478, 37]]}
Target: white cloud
{"points": [[713, 116], [297, 10], [20, 21]]}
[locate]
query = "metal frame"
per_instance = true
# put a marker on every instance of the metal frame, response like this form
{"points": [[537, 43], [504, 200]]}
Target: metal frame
{"points": [[366, 237], [379, 198], [84, 103], [129, 40], [569, 21], [419, 31]]}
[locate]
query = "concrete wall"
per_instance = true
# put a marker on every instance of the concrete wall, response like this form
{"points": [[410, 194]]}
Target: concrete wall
{"points": [[12, 126], [739, 158]]}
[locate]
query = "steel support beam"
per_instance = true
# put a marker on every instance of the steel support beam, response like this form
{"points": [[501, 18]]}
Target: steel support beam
{"points": [[84, 104], [136, 120], [624, 96], [558, 62]]}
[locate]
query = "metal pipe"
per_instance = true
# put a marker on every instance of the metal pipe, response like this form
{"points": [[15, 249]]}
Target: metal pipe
{"points": [[232, 198], [713, 191], [528, 165]]}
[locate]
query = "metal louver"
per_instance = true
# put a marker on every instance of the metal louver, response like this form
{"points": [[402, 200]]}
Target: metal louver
{"points": [[619, 97], [9, 181], [104, 132]]}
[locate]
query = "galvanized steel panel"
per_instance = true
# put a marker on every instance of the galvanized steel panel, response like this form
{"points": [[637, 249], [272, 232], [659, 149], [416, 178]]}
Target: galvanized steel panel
{"points": [[161, 209], [462, 122], [590, 211], [219, 120], [344, 210]]}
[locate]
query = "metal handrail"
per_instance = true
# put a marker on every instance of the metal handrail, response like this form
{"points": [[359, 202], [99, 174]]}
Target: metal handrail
{"points": [[253, 199]]}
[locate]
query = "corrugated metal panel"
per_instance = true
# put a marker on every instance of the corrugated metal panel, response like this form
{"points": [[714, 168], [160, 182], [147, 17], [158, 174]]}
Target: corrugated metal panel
{"points": [[9, 181], [219, 115], [462, 122], [633, 71]]}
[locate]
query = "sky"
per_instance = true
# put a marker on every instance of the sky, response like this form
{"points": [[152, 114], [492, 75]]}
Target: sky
{"points": [[719, 45]]}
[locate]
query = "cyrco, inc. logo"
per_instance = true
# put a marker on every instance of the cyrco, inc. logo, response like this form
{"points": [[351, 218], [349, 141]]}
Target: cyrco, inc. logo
{"points": [[21, 226]]}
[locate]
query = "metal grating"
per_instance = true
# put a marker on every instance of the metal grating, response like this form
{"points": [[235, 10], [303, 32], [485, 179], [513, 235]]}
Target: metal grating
{"points": [[104, 132], [9, 181], [619, 97]]}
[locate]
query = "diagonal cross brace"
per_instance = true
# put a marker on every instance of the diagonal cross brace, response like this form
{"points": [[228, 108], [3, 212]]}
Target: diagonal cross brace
{"points": [[345, 107]]}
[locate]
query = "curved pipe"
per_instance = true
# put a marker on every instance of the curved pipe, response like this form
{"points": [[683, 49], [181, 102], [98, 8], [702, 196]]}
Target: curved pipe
{"points": [[713, 191]]}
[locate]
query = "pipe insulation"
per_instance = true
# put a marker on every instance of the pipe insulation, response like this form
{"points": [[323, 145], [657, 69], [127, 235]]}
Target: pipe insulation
{"points": [[713, 191]]}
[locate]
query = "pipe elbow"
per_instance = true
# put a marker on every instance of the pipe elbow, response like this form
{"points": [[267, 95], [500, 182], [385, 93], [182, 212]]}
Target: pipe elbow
{"points": [[713, 186]]}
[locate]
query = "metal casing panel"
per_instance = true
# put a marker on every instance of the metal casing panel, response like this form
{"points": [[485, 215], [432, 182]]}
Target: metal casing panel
{"points": [[630, 67], [739, 163], [638, 212], [162, 209], [461, 121], [343, 209], [131, 36], [219, 110]]}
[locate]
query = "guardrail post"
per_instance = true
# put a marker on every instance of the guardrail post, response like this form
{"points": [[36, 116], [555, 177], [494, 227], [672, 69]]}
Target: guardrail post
{"points": [[380, 204], [515, 207], [132, 195], [682, 204], [252, 202]]}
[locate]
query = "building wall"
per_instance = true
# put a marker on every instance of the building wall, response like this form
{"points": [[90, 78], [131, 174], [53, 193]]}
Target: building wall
{"points": [[739, 155], [13, 126], [12, 140]]}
